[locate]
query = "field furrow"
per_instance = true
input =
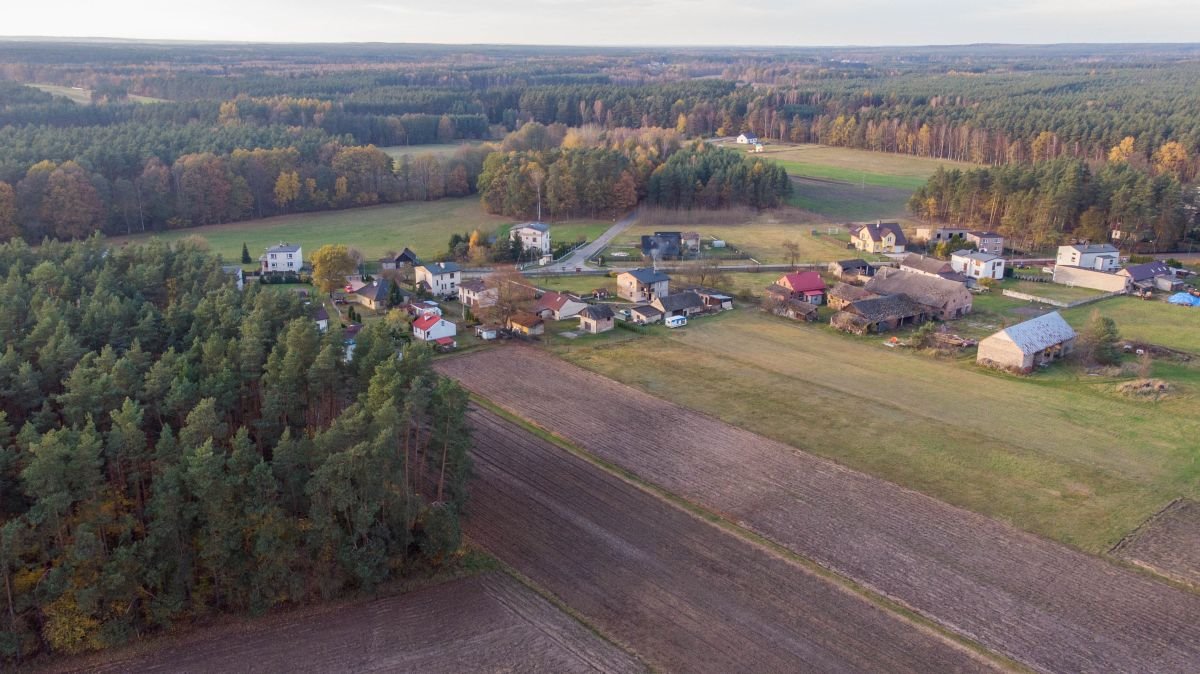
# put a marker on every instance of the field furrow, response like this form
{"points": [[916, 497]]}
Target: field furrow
{"points": [[684, 594], [1043, 604]]}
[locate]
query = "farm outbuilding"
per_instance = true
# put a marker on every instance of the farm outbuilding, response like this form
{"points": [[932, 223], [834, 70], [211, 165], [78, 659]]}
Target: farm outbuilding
{"points": [[1026, 345], [879, 314], [596, 318]]}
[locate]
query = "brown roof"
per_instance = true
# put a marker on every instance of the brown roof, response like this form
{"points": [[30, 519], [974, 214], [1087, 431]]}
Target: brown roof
{"points": [[929, 265], [928, 290], [890, 307], [525, 319], [554, 301], [850, 293], [876, 230], [473, 285]]}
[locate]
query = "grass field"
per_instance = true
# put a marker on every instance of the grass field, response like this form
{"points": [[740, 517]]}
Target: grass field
{"points": [[425, 227], [440, 149], [761, 236], [1051, 291], [1058, 454], [84, 96], [1156, 322]]}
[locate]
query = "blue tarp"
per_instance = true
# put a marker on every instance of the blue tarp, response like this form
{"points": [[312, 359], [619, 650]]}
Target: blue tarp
{"points": [[1184, 299]]}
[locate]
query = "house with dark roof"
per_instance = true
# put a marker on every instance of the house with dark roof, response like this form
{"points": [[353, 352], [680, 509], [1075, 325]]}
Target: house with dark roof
{"points": [[645, 314], [662, 246], [596, 318], [282, 257], [1024, 346], [1149, 275], [747, 138], [475, 294], [986, 242], [879, 314], [321, 317], [851, 269], [374, 295], [406, 258], [558, 306], [642, 285], [879, 237], [947, 300], [714, 300], [843, 293], [439, 279], [931, 266], [686, 303]]}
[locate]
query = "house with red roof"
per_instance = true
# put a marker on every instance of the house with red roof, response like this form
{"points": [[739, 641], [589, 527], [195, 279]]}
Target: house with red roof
{"points": [[806, 286], [432, 327], [559, 306]]}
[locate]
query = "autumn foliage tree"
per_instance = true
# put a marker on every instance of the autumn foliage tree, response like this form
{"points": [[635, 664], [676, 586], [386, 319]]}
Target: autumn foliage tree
{"points": [[331, 264]]}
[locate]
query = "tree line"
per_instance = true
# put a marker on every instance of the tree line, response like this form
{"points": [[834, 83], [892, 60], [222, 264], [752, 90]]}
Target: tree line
{"points": [[171, 448], [1048, 202]]}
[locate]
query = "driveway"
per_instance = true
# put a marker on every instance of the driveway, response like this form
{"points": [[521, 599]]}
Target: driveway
{"points": [[580, 257]]}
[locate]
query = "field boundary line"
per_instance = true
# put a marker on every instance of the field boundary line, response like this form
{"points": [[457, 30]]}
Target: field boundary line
{"points": [[872, 596], [561, 605]]}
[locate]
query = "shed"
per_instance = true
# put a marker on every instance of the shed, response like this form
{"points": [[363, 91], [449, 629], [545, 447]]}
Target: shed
{"points": [[1024, 346]]}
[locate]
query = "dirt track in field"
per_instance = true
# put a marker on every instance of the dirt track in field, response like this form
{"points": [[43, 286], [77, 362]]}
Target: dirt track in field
{"points": [[682, 593], [1168, 543], [1038, 602], [486, 623]]}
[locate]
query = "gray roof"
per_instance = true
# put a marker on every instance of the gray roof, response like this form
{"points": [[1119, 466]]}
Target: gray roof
{"points": [[539, 226], [856, 263], [1148, 270], [889, 307], [646, 310], [680, 301], [875, 231], [597, 312], [929, 265], [231, 268], [931, 290], [1037, 334], [845, 291], [1094, 248], [284, 248], [320, 314], [377, 290], [648, 276], [441, 267], [986, 235], [976, 255]]}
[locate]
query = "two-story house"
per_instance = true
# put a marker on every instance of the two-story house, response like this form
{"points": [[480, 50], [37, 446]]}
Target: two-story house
{"points": [[1096, 256], [879, 237], [474, 293], [284, 257], [643, 285], [987, 242], [977, 264], [535, 236], [439, 279]]}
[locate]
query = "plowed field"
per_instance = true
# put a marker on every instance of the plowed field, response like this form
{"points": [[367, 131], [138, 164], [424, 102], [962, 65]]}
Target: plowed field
{"points": [[1041, 603], [488, 623], [684, 594], [1168, 543]]}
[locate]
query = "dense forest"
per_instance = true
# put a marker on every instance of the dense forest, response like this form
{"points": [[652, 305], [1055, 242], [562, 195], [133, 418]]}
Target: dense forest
{"points": [[1045, 202], [171, 448], [262, 127]]}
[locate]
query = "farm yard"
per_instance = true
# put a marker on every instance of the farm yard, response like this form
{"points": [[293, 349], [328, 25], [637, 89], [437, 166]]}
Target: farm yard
{"points": [[487, 622], [759, 235], [681, 592], [1026, 598]]}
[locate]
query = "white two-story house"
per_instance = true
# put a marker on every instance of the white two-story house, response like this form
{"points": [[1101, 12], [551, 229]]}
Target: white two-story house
{"points": [[284, 257], [535, 237], [440, 279], [977, 264], [1095, 256]]}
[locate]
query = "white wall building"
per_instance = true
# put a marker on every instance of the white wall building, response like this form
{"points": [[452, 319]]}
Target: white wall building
{"points": [[284, 257], [441, 279], [535, 236], [431, 327], [977, 265], [1097, 256]]}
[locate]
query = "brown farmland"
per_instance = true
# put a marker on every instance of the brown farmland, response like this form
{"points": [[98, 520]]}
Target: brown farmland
{"points": [[681, 592], [1043, 604], [1168, 543], [486, 623]]}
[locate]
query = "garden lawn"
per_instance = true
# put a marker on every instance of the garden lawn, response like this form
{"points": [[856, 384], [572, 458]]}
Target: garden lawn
{"points": [[1156, 322]]}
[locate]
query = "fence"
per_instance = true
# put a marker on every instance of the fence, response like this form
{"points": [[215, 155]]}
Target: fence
{"points": [[1059, 303]]}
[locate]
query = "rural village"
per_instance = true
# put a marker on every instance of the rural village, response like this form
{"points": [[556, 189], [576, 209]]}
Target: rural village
{"points": [[377, 357]]}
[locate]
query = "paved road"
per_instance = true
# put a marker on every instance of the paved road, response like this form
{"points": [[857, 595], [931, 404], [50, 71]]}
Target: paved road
{"points": [[580, 257]]}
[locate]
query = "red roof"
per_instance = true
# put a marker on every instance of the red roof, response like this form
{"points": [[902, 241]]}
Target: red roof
{"points": [[427, 321], [444, 341], [803, 281]]}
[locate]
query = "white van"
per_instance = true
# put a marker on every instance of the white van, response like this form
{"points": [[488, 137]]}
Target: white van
{"points": [[676, 321]]}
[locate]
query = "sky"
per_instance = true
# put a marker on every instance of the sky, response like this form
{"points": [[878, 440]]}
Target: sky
{"points": [[614, 22]]}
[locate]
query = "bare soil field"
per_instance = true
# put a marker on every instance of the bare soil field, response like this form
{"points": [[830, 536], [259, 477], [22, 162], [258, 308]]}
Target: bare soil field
{"points": [[485, 623], [1040, 603], [684, 594], [1168, 543]]}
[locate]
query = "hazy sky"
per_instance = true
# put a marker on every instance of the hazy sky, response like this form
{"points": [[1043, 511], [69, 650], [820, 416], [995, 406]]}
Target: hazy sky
{"points": [[608, 22]]}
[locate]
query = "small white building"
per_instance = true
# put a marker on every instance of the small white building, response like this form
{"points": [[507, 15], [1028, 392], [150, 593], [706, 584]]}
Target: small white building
{"points": [[431, 327], [283, 257], [975, 264], [235, 272], [321, 317], [440, 279], [1097, 256], [535, 236], [748, 138]]}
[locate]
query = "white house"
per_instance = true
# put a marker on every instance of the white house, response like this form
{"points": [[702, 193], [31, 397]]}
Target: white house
{"points": [[284, 257], [432, 327], [559, 306], [441, 279], [977, 265], [748, 138], [235, 272], [535, 236], [1097, 256], [321, 317]]}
